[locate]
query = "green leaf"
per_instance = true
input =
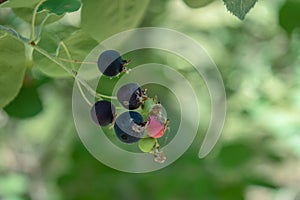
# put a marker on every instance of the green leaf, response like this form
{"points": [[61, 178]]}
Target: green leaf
{"points": [[26, 15], [146, 144], [60, 7], [59, 30], [12, 68], [49, 42], [102, 19], [26, 104], [20, 3], [197, 3], [79, 45], [239, 7], [289, 16]]}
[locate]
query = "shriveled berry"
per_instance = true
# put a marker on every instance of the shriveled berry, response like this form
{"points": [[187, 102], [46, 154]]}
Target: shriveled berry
{"points": [[103, 112]]}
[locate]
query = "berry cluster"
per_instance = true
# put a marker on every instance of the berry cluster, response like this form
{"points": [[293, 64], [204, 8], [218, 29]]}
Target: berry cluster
{"points": [[144, 119]]}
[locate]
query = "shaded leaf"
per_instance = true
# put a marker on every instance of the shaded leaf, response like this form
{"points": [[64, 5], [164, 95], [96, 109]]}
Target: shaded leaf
{"points": [[20, 3], [289, 16], [197, 3], [12, 68], [60, 7], [26, 104], [102, 19], [239, 8]]}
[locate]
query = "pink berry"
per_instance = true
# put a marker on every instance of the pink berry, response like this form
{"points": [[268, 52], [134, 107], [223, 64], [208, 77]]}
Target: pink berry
{"points": [[154, 128]]}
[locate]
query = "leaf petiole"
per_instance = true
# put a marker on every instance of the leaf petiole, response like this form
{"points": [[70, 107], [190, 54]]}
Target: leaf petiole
{"points": [[42, 25], [78, 61], [32, 35]]}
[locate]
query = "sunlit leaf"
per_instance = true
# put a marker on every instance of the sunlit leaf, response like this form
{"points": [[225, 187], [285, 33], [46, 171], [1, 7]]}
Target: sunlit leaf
{"points": [[26, 15], [79, 45], [60, 7], [239, 7], [19, 3], [102, 19], [12, 68]]}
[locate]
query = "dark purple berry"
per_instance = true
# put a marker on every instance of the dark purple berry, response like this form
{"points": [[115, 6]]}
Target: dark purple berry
{"points": [[130, 96], [129, 127], [103, 112], [110, 63]]}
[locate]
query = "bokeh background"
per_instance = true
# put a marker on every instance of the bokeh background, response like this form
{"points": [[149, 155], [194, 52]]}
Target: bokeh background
{"points": [[256, 158]]}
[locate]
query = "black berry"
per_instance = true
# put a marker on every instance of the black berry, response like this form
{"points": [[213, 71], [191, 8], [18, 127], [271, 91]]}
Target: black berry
{"points": [[129, 127], [110, 63], [130, 96], [103, 112]]}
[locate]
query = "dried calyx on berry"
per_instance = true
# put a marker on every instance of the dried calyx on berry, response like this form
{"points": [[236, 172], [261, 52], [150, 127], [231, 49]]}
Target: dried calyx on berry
{"points": [[157, 121], [151, 145], [144, 126], [129, 127], [131, 96], [111, 64]]}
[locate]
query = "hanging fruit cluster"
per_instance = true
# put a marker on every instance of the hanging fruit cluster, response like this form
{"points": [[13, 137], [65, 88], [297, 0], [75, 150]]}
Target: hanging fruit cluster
{"points": [[144, 120]]}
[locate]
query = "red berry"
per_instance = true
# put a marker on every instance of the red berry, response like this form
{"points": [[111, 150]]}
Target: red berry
{"points": [[154, 127]]}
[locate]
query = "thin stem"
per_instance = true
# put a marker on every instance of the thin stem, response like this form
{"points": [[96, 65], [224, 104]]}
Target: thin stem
{"points": [[42, 25], [13, 33], [82, 94], [78, 61], [43, 52], [77, 82], [167, 136], [73, 74], [4, 35], [70, 57], [106, 96], [32, 36], [67, 52]]}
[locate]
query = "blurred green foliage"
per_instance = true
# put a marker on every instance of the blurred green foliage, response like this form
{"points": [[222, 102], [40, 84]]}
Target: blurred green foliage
{"points": [[257, 157]]}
